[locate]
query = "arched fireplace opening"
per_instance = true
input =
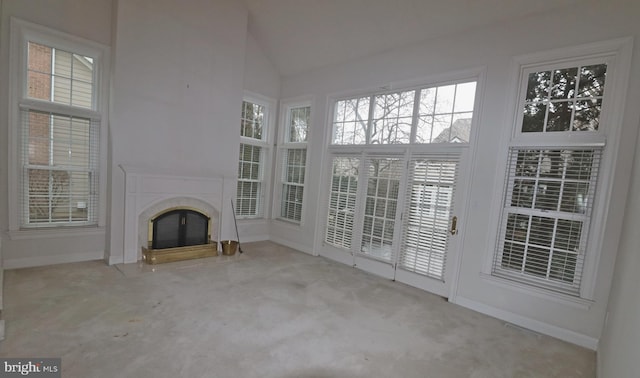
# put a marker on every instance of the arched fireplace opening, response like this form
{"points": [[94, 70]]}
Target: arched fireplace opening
{"points": [[179, 233], [180, 228]]}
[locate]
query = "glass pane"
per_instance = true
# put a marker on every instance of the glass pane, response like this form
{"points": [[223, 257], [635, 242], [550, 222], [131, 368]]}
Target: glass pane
{"points": [[552, 163], [517, 227], [527, 163], [465, 97], [299, 124], [39, 71], [442, 128], [196, 229], [587, 115], [559, 116], [592, 80], [445, 98], [39, 137], [538, 85], [541, 232], [568, 235], [564, 83], [574, 197], [533, 119], [548, 195], [251, 123], [424, 129], [537, 261], [512, 256], [523, 191], [393, 115], [579, 164], [563, 266]]}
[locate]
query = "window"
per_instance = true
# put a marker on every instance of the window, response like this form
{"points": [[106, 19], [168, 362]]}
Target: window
{"points": [[397, 128], [551, 187], [440, 114], [58, 127], [253, 154], [294, 162]]}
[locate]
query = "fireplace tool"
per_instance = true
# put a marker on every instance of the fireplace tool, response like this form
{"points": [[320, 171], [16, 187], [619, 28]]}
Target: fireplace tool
{"points": [[235, 221]]}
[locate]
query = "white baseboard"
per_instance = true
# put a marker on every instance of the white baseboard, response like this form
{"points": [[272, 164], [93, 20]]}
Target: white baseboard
{"points": [[112, 260], [296, 246], [532, 324], [28, 262], [254, 238]]}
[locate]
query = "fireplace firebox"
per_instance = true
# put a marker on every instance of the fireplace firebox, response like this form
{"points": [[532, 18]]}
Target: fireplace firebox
{"points": [[180, 228], [179, 234]]}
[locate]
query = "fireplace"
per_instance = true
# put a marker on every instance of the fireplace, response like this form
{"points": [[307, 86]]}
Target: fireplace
{"points": [[153, 196]]}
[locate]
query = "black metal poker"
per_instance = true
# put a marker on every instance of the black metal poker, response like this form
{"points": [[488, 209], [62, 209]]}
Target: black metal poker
{"points": [[236, 223]]}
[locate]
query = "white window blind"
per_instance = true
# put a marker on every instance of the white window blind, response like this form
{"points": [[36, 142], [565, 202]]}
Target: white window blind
{"points": [[428, 212], [342, 201], [295, 161], [251, 165], [59, 139], [548, 204], [249, 189]]}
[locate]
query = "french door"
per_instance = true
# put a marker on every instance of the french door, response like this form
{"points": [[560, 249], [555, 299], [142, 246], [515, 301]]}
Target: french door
{"points": [[395, 216]]}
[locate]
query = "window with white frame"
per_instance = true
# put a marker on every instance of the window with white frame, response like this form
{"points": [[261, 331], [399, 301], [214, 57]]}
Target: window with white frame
{"points": [[553, 166], [437, 114], [415, 118], [57, 124], [294, 162], [253, 155]]}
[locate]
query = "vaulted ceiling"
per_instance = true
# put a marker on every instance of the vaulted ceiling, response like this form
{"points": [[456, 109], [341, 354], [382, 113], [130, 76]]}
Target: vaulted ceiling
{"points": [[301, 35]]}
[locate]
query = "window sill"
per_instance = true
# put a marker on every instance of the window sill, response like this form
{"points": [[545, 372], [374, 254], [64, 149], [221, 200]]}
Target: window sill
{"points": [[56, 232], [565, 299], [288, 222]]}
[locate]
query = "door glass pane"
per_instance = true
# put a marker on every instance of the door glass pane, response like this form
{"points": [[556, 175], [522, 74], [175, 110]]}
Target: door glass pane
{"points": [[342, 201], [428, 211], [381, 203]]}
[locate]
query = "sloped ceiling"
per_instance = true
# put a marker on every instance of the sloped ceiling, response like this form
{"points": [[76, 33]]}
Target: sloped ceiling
{"points": [[301, 35]]}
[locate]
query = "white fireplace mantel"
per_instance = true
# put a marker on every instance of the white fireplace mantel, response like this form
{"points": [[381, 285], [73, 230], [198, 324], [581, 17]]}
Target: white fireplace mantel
{"points": [[147, 189]]}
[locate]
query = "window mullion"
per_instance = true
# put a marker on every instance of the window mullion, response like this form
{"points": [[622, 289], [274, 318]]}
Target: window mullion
{"points": [[415, 116]]}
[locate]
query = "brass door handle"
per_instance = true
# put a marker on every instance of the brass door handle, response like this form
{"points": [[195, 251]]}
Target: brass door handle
{"points": [[454, 225]]}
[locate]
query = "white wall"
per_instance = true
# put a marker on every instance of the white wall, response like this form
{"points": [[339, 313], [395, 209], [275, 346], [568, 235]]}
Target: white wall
{"points": [[177, 88], [91, 20], [260, 75], [620, 343], [491, 49], [263, 80]]}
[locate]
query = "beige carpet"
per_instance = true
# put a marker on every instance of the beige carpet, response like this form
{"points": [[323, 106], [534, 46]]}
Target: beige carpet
{"points": [[270, 312]]}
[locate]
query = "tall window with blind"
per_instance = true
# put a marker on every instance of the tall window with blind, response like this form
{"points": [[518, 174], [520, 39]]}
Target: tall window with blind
{"points": [[59, 127], [251, 165], [552, 176], [294, 163]]}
